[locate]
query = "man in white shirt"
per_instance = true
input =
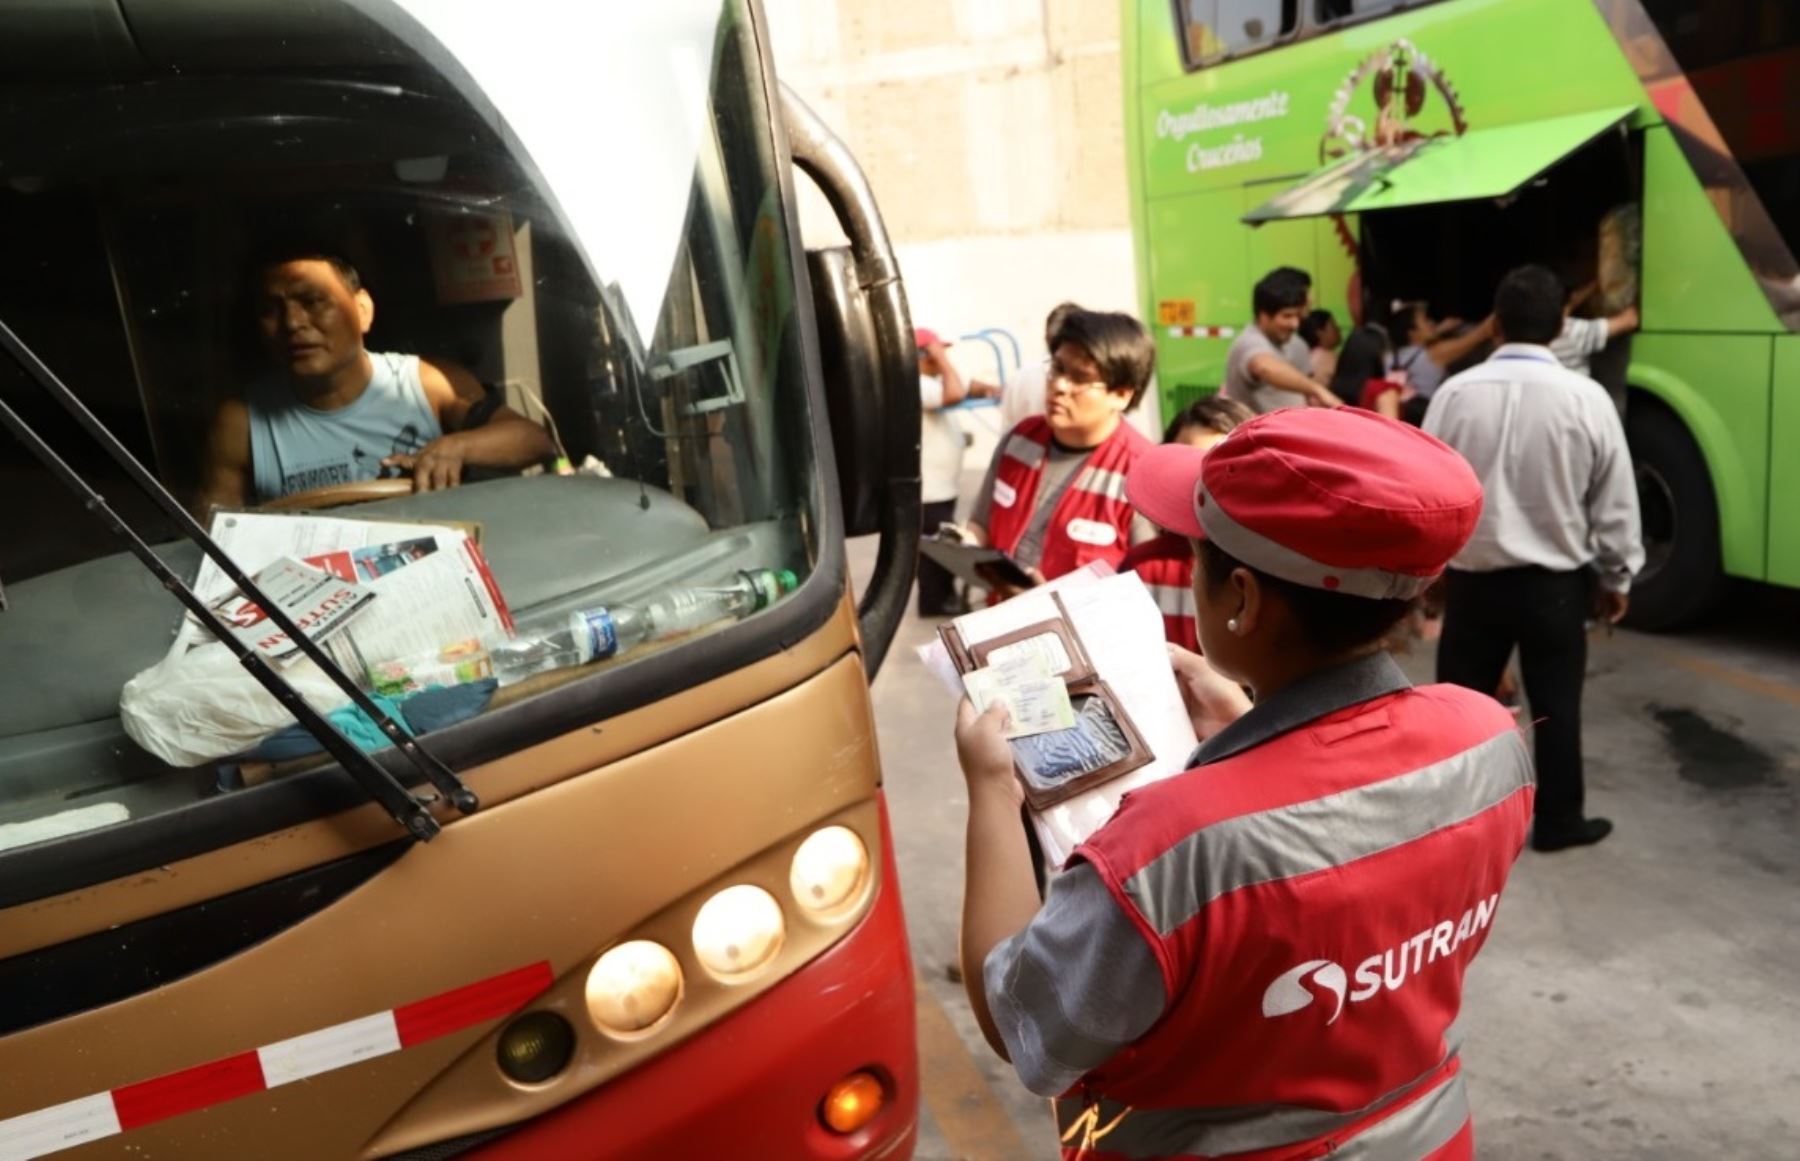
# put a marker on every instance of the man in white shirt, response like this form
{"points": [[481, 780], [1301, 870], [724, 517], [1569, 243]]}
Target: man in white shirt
{"points": [[1583, 338], [1558, 540], [941, 447]]}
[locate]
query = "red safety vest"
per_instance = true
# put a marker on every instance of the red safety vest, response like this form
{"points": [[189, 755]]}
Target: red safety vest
{"points": [[1092, 518], [1313, 899], [1166, 566]]}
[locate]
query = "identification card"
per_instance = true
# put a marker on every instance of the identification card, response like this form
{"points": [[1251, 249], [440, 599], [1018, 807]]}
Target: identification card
{"points": [[1036, 698]]}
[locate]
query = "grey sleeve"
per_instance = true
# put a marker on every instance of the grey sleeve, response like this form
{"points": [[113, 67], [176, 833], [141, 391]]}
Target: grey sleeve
{"points": [[1612, 501], [1074, 987], [1142, 531]]}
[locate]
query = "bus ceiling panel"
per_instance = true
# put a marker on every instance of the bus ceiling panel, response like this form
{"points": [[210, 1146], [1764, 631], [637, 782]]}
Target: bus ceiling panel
{"points": [[69, 38], [213, 36], [1486, 163]]}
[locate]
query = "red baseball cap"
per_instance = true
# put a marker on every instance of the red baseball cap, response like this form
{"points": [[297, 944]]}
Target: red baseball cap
{"points": [[924, 336], [1344, 499]]}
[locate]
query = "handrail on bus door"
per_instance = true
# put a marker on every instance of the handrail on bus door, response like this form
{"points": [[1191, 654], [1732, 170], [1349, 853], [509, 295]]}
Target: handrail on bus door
{"points": [[823, 157]]}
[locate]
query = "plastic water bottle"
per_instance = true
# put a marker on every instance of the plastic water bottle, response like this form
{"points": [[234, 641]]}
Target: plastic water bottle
{"points": [[606, 631]]}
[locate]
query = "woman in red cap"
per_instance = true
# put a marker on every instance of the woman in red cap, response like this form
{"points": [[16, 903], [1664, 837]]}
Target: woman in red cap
{"points": [[1263, 957]]}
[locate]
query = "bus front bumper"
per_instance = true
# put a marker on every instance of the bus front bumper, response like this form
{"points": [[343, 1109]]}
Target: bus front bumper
{"points": [[751, 1085]]}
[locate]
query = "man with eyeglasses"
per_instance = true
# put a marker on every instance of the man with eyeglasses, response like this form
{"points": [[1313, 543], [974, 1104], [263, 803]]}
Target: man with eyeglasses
{"points": [[333, 412], [1054, 496]]}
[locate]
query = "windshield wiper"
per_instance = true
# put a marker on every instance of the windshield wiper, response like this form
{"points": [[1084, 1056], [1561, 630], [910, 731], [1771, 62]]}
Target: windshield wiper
{"points": [[409, 811]]}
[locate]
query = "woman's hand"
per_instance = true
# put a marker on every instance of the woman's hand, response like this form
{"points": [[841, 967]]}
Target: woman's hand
{"points": [[1213, 702], [983, 751]]}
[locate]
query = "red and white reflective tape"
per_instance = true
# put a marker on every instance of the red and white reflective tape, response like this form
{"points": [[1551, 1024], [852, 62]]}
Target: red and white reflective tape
{"points": [[1202, 332], [107, 1114]]}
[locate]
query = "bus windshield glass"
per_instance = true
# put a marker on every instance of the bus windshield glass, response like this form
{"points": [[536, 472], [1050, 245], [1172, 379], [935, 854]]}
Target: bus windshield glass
{"points": [[476, 346]]}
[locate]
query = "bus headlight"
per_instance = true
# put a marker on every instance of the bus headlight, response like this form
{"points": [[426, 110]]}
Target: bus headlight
{"points": [[737, 931], [829, 869], [632, 987]]}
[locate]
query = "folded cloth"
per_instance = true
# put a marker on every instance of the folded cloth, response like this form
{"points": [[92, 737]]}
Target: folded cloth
{"points": [[431, 708]]}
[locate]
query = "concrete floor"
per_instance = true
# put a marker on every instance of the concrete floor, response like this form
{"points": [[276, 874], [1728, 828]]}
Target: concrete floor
{"points": [[1639, 999]]}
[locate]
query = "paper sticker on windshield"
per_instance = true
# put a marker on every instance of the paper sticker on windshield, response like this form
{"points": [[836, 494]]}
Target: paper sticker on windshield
{"points": [[1005, 494], [1093, 532]]}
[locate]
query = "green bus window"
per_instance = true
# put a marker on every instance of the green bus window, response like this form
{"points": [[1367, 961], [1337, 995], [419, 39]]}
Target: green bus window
{"points": [[1214, 29], [1333, 11]]}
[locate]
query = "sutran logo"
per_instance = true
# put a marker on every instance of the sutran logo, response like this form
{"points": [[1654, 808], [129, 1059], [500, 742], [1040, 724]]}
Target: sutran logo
{"points": [[1289, 992], [1385, 971]]}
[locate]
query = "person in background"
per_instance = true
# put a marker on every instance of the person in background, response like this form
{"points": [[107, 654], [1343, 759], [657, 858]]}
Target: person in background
{"points": [[1266, 956], [940, 463], [1427, 349], [1022, 395], [1583, 338], [1165, 563], [1558, 541], [1054, 496], [1362, 374], [1322, 336], [1268, 366]]}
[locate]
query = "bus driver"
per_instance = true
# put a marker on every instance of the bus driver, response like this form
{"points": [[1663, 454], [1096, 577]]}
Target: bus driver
{"points": [[332, 412]]}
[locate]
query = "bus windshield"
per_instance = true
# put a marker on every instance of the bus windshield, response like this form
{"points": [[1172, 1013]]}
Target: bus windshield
{"points": [[502, 347]]}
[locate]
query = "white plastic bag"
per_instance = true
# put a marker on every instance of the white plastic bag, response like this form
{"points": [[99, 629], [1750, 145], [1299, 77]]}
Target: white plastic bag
{"points": [[194, 706]]}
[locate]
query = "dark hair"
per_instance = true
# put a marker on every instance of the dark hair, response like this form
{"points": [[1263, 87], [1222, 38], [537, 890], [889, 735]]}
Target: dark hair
{"points": [[281, 252], [1054, 319], [1363, 358], [1402, 313], [1117, 343], [1214, 413], [1280, 289], [1528, 305], [1332, 623], [1301, 276], [1312, 327]]}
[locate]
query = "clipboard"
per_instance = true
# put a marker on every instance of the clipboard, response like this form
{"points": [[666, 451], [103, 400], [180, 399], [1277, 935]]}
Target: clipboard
{"points": [[976, 565]]}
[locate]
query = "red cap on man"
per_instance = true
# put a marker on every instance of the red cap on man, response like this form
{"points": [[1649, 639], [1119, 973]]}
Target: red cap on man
{"points": [[1341, 499], [923, 337]]}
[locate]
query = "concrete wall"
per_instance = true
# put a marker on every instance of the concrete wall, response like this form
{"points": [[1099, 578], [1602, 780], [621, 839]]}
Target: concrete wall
{"points": [[992, 133]]}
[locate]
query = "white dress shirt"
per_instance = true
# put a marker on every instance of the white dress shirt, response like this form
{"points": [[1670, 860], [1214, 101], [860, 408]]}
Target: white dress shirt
{"points": [[1550, 451]]}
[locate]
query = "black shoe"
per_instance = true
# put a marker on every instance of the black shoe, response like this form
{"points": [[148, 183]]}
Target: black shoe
{"points": [[1585, 833]]}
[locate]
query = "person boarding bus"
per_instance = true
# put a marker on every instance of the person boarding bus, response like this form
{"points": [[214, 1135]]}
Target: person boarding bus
{"points": [[1265, 955]]}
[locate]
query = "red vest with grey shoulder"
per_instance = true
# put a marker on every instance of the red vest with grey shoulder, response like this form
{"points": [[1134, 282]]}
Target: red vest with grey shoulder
{"points": [[1091, 520], [1313, 892], [1166, 566]]}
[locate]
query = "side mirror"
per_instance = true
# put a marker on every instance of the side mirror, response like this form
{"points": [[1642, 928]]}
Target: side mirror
{"points": [[853, 386], [871, 375]]}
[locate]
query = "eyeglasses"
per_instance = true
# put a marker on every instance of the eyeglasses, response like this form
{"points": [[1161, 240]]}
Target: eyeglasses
{"points": [[1063, 382]]}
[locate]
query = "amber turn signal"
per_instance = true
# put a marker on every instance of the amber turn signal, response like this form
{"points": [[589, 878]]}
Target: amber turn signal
{"points": [[852, 1103]]}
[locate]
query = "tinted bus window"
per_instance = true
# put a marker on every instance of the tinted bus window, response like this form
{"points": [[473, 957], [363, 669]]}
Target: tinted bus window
{"points": [[1218, 28], [1332, 11], [1741, 60]]}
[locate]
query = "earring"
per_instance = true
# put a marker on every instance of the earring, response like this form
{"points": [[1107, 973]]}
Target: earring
{"points": [[1232, 624]]}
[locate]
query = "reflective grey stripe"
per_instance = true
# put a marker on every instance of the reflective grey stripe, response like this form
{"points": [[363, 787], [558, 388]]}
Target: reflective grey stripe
{"points": [[1258, 551], [1222, 1132], [1101, 482], [1326, 832], [1418, 1130], [1173, 600], [1028, 452]]}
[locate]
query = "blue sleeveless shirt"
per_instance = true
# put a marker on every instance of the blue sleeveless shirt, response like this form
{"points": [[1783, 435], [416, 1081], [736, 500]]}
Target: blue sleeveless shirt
{"points": [[294, 447]]}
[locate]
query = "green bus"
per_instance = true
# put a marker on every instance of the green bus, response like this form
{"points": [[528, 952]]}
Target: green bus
{"points": [[1418, 150]]}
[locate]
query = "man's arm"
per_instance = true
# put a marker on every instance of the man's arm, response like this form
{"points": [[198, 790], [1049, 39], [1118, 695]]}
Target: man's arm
{"points": [[1622, 323], [1449, 350], [1612, 506], [1271, 370], [226, 483], [506, 440], [955, 390]]}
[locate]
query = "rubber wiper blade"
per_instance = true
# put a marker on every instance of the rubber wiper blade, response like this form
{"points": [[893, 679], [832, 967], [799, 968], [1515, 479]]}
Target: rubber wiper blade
{"points": [[407, 810]]}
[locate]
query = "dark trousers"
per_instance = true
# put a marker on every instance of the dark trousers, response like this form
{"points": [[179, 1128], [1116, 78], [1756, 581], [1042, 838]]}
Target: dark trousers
{"points": [[1544, 613], [937, 584]]}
